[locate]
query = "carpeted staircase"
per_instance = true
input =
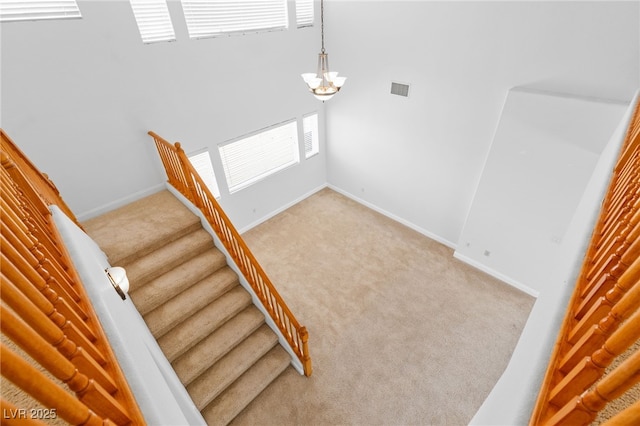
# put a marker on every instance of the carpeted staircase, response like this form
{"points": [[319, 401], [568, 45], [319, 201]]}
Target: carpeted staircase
{"points": [[203, 319]]}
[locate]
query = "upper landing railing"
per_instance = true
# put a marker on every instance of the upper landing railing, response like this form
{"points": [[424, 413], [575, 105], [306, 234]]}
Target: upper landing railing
{"points": [[183, 177], [597, 355], [53, 351]]}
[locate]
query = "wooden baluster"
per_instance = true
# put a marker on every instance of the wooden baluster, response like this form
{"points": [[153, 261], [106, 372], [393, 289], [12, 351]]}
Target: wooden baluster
{"points": [[14, 416], [601, 307], [623, 191], [581, 410], [9, 202], [620, 240], [15, 284], [42, 265], [627, 417], [35, 281], [624, 210], [45, 187], [88, 391], [39, 386], [608, 280], [585, 373], [599, 332], [56, 338]]}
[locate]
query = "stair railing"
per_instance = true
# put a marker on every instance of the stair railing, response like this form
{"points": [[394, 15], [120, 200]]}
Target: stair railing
{"points": [[183, 177], [597, 355], [64, 360], [40, 182]]}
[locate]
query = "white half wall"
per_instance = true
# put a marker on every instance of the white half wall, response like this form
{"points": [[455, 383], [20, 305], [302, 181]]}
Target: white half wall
{"points": [[512, 399], [542, 157]]}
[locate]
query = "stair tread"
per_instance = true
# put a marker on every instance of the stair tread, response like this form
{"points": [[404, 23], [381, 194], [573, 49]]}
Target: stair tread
{"points": [[202, 318], [172, 283], [140, 227], [214, 380], [209, 350], [185, 335], [247, 387], [158, 262], [185, 304]]}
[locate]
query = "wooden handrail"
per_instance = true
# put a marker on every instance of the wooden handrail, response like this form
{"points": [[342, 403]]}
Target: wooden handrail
{"points": [[602, 322], [47, 313], [183, 177]]}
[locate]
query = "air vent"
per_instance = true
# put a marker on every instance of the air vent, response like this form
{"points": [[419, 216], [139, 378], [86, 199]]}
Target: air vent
{"points": [[400, 89]]}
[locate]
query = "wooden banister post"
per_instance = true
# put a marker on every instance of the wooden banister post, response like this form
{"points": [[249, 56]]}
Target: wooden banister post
{"points": [[32, 381]]}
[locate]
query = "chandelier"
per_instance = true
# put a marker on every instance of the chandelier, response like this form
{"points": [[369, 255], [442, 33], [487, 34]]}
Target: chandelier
{"points": [[323, 83]]}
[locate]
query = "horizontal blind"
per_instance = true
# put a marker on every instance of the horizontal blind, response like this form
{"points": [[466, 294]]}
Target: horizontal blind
{"points": [[202, 163], [304, 13], [310, 131], [154, 21], [34, 10], [207, 18], [250, 159]]}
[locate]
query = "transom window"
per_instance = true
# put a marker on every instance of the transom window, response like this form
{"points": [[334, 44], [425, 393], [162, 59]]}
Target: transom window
{"points": [[154, 22], [210, 18], [304, 13], [35, 10], [253, 158], [310, 132]]}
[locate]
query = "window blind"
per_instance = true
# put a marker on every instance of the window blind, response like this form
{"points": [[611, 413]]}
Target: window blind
{"points": [[202, 163], [310, 131], [304, 13], [253, 158], [33, 10], [208, 18], [154, 21]]}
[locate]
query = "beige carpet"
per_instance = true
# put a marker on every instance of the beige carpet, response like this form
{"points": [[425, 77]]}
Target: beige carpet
{"points": [[400, 331]]}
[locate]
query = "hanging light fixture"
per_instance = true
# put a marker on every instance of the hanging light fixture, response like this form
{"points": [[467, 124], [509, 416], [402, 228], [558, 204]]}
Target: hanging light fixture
{"points": [[323, 84]]}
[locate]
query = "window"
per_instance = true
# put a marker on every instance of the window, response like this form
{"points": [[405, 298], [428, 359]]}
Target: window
{"points": [[209, 18], [33, 10], [310, 131], [255, 157], [201, 161], [304, 13], [153, 20]]}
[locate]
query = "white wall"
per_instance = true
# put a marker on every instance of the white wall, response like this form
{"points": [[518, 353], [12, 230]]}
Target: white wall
{"points": [[79, 96], [420, 158], [542, 156], [512, 399]]}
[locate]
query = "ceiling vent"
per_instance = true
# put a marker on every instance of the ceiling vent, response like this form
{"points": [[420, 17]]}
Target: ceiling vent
{"points": [[399, 89]]}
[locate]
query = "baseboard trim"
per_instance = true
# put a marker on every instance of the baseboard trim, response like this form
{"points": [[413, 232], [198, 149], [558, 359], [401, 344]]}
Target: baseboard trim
{"points": [[281, 209], [120, 202], [392, 216], [496, 274]]}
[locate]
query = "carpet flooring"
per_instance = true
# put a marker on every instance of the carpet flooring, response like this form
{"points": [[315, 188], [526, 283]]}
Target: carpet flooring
{"points": [[401, 332]]}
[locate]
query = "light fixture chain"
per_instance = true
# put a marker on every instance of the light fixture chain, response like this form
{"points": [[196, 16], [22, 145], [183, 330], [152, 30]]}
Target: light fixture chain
{"points": [[322, 23]]}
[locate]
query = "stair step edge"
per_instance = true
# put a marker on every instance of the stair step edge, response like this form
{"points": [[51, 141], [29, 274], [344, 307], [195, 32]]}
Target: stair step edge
{"points": [[177, 309], [170, 284], [167, 257], [212, 382], [212, 348], [231, 402], [184, 336], [149, 246]]}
